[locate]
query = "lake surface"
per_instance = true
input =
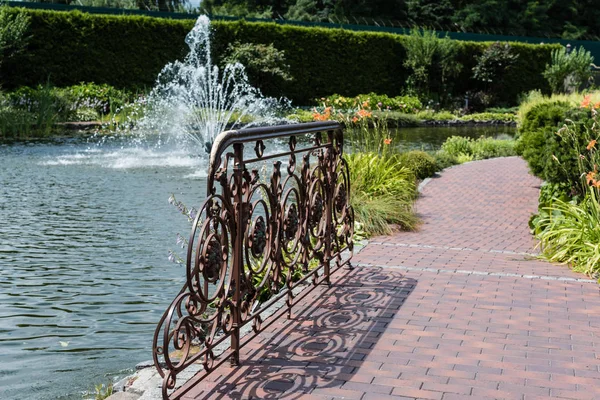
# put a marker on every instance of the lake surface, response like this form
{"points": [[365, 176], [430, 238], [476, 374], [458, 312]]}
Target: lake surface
{"points": [[85, 231]]}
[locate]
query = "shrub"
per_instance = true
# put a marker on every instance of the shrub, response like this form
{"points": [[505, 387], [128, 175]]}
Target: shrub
{"points": [[568, 70], [130, 51], [483, 148], [265, 65], [431, 115], [13, 29], [444, 160], [433, 63], [544, 150], [382, 192], [405, 104], [489, 116], [422, 164], [456, 145]]}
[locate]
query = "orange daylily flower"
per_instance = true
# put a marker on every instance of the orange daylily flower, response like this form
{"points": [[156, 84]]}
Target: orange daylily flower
{"points": [[364, 113], [387, 141], [591, 144], [355, 119], [365, 104], [586, 101], [597, 105], [590, 177]]}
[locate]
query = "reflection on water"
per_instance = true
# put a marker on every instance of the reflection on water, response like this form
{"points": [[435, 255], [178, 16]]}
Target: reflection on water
{"points": [[84, 237]]}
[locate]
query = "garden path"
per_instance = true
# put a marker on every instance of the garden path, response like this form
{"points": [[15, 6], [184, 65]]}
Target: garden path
{"points": [[459, 309]]}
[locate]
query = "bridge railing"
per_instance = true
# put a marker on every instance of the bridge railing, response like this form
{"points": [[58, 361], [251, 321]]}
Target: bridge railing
{"points": [[276, 222]]}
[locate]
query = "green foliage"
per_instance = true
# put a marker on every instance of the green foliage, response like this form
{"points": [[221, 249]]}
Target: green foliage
{"points": [[443, 160], [405, 104], [102, 392], [466, 149], [420, 163], [456, 145], [382, 192], [570, 232], [13, 29], [431, 115], [15, 123], [130, 51], [493, 64], [567, 71], [489, 116], [265, 65], [544, 150], [433, 63], [483, 148], [491, 69]]}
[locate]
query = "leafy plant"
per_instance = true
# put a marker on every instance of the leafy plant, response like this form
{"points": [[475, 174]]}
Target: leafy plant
{"points": [[264, 64], [456, 145], [433, 63], [422, 164], [568, 70], [13, 29], [444, 160], [382, 192], [491, 69]]}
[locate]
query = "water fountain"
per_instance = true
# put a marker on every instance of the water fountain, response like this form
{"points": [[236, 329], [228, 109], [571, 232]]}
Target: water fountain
{"points": [[193, 100]]}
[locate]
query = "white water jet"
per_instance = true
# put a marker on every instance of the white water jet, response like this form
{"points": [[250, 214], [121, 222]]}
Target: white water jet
{"points": [[193, 101]]}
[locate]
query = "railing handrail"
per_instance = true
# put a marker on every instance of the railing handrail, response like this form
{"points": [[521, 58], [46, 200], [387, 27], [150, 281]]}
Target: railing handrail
{"points": [[227, 138], [266, 230]]}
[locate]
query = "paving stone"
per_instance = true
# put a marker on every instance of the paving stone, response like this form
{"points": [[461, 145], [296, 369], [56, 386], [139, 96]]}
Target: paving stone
{"points": [[459, 309]]}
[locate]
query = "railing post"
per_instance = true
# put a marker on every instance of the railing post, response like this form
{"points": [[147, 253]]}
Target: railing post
{"points": [[330, 188], [238, 205]]}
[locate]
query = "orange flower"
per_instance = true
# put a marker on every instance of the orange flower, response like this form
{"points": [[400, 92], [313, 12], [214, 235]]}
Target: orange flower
{"points": [[317, 116], [365, 104], [364, 113], [597, 105], [590, 177], [355, 119], [596, 184], [387, 141], [586, 101], [591, 144]]}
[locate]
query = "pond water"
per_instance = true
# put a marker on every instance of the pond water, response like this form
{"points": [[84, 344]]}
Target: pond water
{"points": [[85, 231]]}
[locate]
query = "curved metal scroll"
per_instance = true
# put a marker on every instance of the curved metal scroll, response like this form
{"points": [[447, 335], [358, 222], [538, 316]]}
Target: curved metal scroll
{"points": [[271, 221]]}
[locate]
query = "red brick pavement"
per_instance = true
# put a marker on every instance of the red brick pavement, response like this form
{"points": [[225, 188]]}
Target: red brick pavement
{"points": [[456, 310]]}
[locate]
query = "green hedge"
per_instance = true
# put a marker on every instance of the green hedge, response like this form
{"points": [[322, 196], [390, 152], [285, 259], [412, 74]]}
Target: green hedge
{"points": [[129, 51]]}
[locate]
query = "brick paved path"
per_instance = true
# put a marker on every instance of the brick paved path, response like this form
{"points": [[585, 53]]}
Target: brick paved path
{"points": [[456, 310]]}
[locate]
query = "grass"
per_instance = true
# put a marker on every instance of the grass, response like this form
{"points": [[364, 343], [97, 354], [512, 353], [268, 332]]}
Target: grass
{"points": [[382, 193]]}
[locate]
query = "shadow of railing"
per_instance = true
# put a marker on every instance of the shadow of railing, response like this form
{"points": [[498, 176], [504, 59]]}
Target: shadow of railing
{"points": [[322, 346]]}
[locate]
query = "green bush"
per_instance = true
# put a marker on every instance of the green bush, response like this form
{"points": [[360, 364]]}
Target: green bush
{"points": [[483, 148], [489, 116], [404, 104], [444, 160], [568, 70], [544, 150], [422, 164], [129, 52], [456, 145]]}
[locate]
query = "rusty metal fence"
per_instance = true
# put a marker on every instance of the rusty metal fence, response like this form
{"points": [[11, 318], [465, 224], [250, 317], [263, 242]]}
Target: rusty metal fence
{"points": [[273, 220]]}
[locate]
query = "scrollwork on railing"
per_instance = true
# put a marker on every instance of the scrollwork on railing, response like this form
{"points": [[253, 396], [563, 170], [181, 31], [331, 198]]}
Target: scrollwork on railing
{"points": [[271, 222]]}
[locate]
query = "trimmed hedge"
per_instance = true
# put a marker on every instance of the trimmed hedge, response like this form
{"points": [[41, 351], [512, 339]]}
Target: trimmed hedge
{"points": [[129, 52]]}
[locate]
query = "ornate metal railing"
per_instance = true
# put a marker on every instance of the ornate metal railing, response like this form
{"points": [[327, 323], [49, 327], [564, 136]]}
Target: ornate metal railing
{"points": [[271, 222]]}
